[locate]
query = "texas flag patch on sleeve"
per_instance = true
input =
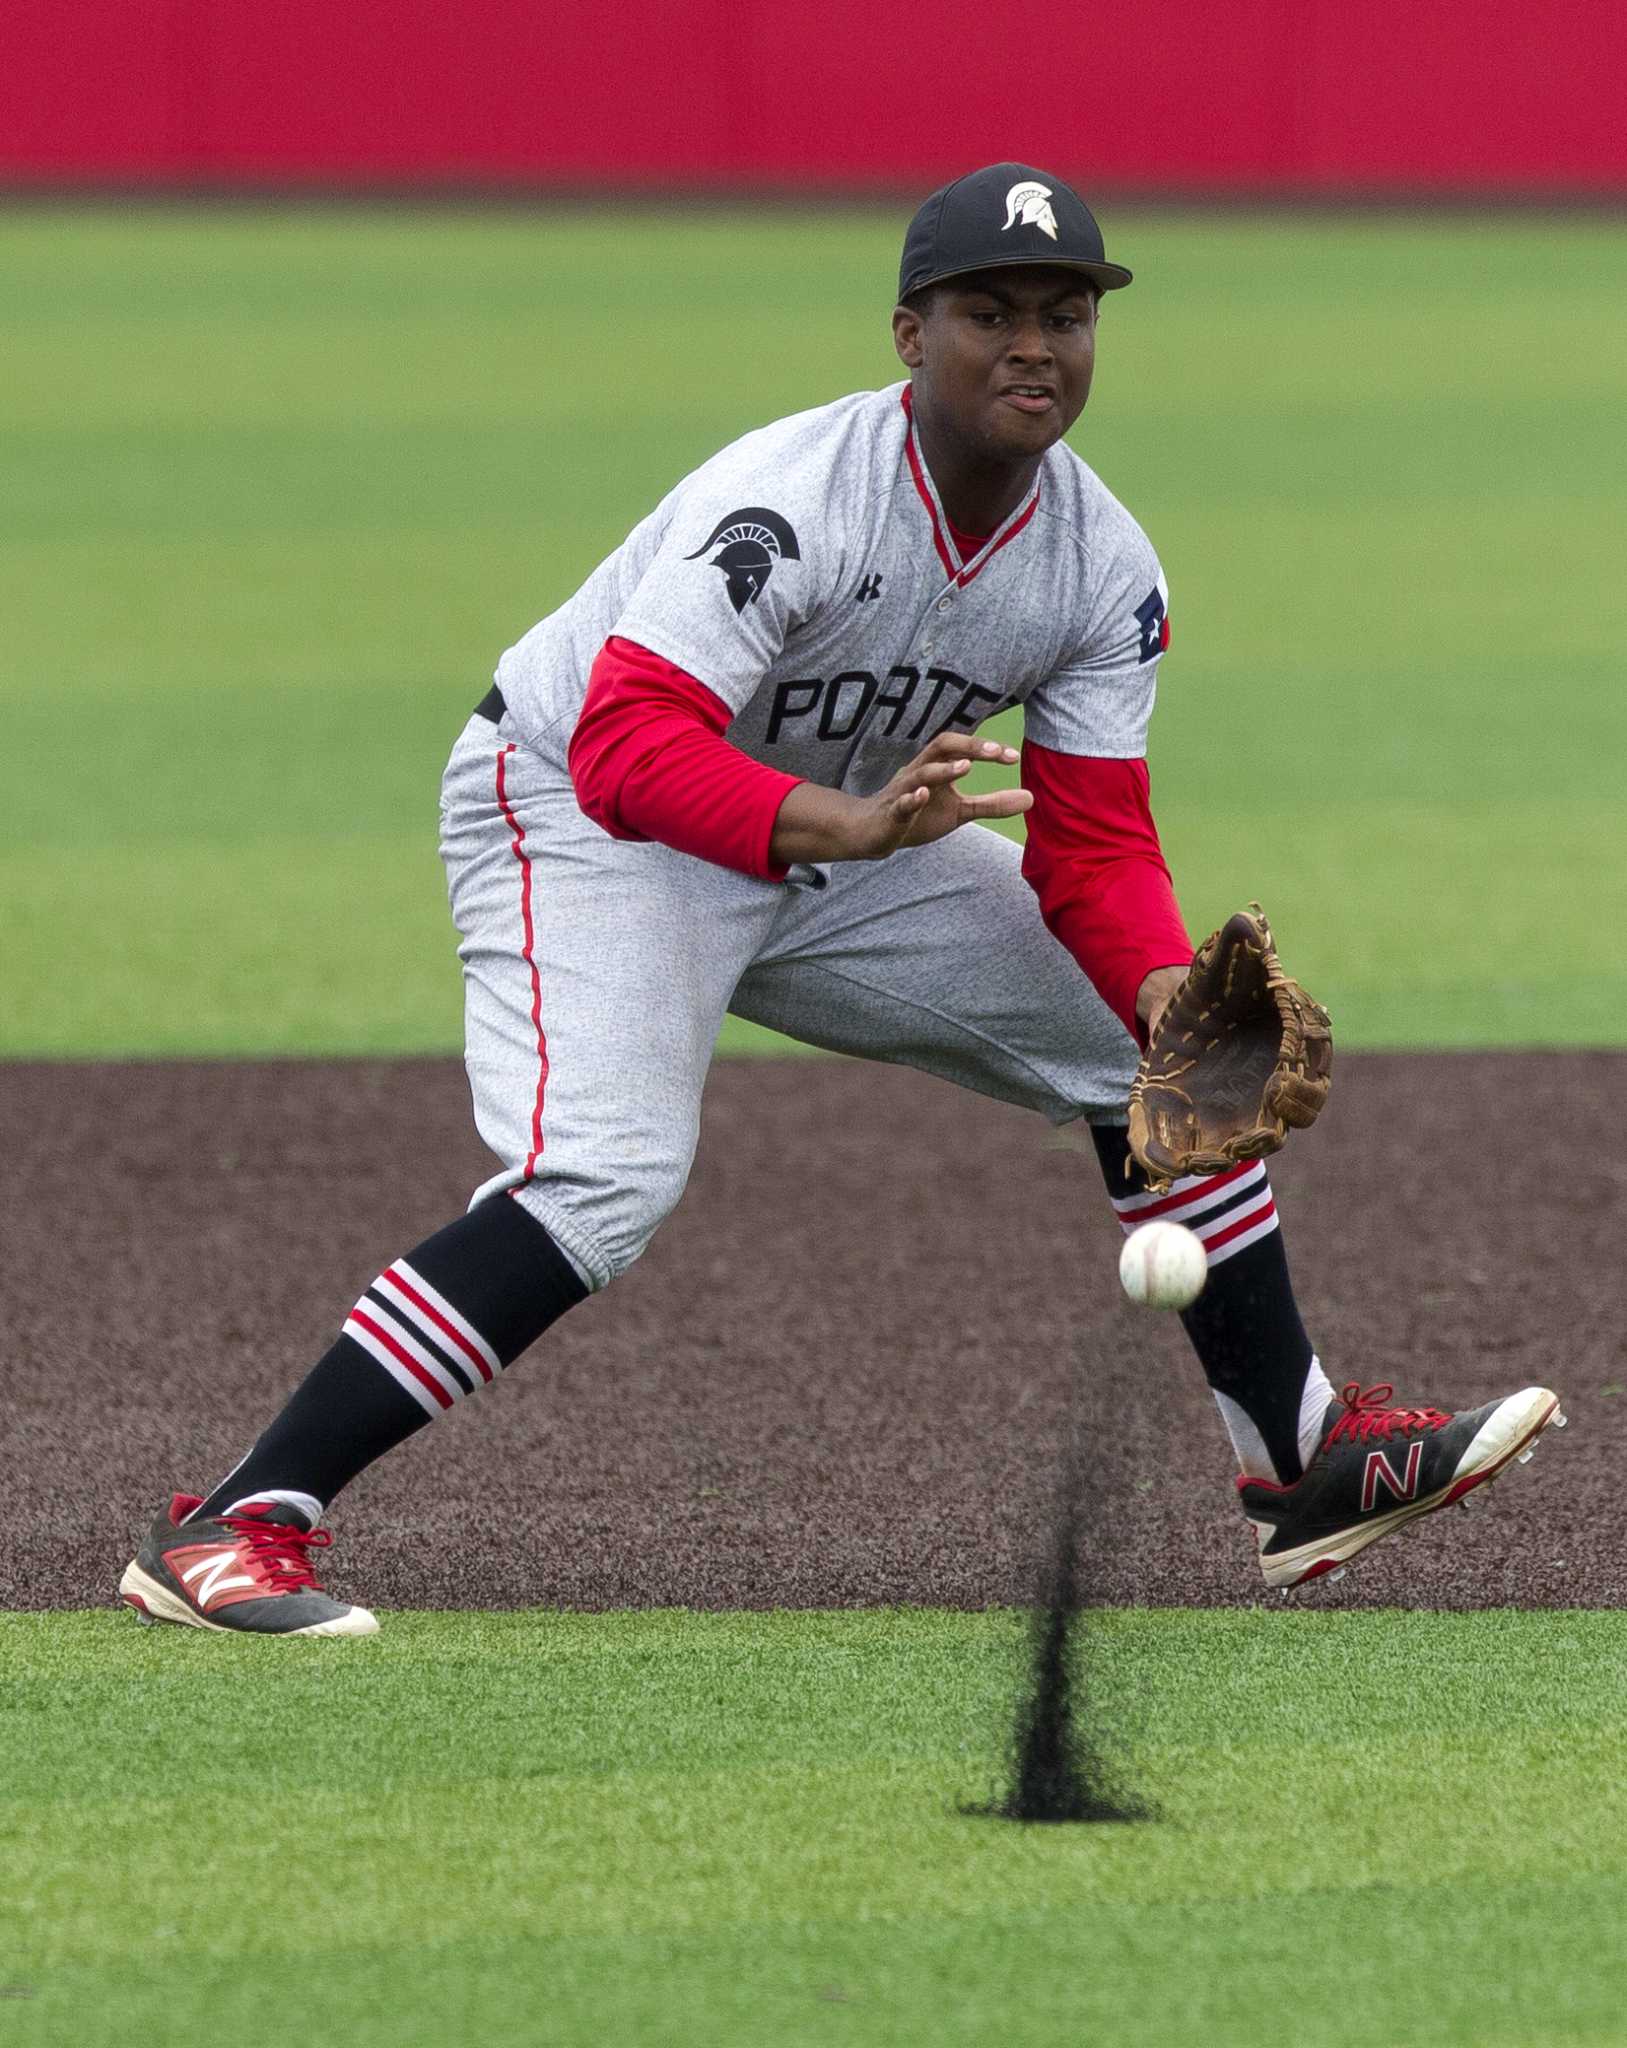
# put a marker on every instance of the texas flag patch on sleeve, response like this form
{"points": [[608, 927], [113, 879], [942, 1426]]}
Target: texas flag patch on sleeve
{"points": [[1152, 615]]}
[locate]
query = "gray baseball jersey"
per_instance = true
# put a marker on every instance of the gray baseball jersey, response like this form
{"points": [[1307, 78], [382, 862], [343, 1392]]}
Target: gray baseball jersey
{"points": [[808, 575]]}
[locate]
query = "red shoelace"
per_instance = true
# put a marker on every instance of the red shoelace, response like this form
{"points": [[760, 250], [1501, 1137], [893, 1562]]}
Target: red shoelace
{"points": [[1369, 1414], [281, 1549]]}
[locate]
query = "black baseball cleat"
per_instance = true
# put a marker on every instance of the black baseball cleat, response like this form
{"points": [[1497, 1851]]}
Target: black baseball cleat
{"points": [[249, 1571], [1377, 1468]]}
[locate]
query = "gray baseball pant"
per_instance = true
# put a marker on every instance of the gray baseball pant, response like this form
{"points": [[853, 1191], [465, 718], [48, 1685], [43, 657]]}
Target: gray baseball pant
{"points": [[597, 973]]}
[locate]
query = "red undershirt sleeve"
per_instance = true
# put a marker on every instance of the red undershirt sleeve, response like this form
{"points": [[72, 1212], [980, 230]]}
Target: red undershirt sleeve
{"points": [[648, 760], [1094, 861]]}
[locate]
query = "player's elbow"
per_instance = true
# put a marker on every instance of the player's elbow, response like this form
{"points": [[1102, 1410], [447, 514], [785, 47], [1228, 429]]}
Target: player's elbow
{"points": [[582, 760], [1044, 875], [591, 761]]}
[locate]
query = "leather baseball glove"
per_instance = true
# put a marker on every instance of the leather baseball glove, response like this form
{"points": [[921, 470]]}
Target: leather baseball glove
{"points": [[1240, 1055]]}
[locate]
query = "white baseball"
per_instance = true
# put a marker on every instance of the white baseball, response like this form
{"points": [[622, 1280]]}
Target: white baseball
{"points": [[1163, 1265]]}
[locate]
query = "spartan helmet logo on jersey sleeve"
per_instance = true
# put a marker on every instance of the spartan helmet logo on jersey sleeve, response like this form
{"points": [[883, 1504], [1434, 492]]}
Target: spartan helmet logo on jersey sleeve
{"points": [[748, 545], [1030, 203]]}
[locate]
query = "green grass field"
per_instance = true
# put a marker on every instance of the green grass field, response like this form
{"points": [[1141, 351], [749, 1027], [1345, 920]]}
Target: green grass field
{"points": [[275, 491], [745, 1829], [277, 488]]}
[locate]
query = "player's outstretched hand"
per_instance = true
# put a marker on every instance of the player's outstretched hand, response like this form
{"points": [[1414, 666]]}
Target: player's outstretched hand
{"points": [[922, 802]]}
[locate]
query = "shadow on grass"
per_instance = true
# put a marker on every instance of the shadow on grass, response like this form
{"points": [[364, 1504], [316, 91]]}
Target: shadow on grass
{"points": [[1060, 1766]]}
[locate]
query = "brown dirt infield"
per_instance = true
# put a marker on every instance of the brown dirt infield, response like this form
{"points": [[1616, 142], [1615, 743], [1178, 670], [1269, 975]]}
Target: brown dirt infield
{"points": [[841, 1374]]}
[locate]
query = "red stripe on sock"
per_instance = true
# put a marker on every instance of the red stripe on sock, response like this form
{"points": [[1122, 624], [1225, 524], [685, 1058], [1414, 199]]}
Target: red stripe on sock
{"points": [[1250, 1222], [1201, 1193], [528, 954], [373, 1329], [450, 1330]]}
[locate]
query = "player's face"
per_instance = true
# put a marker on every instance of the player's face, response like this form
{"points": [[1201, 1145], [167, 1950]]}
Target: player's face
{"points": [[1002, 359]]}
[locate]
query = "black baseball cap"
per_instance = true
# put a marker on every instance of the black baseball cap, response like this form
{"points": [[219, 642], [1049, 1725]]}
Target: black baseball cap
{"points": [[1004, 213]]}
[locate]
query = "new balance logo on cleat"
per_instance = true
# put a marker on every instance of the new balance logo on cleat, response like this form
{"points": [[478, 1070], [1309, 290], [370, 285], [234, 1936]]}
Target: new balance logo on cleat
{"points": [[249, 1571], [1378, 1471], [211, 1578], [1380, 1466]]}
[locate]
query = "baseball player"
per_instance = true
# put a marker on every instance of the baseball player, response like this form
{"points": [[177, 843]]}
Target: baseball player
{"points": [[726, 776]]}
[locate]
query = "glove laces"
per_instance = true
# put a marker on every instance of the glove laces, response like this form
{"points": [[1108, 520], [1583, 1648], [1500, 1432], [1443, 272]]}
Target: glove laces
{"points": [[1368, 1415]]}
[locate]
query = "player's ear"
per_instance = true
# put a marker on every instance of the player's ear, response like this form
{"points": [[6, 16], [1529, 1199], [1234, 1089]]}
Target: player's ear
{"points": [[907, 336]]}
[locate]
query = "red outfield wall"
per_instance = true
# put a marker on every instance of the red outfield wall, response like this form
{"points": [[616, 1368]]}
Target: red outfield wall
{"points": [[1302, 95]]}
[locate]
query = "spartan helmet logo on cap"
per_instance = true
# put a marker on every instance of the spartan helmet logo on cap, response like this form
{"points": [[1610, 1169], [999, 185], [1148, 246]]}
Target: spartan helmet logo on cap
{"points": [[748, 545], [1030, 203]]}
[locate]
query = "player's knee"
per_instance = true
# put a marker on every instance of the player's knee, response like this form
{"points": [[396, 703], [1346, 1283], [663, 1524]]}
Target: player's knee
{"points": [[605, 1220], [646, 1200]]}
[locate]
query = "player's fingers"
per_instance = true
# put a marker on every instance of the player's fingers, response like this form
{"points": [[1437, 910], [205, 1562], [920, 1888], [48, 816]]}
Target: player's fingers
{"points": [[956, 746], [917, 780], [999, 803]]}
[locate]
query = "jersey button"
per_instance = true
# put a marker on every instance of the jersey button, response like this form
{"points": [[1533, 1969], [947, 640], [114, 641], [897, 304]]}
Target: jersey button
{"points": [[944, 603]]}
